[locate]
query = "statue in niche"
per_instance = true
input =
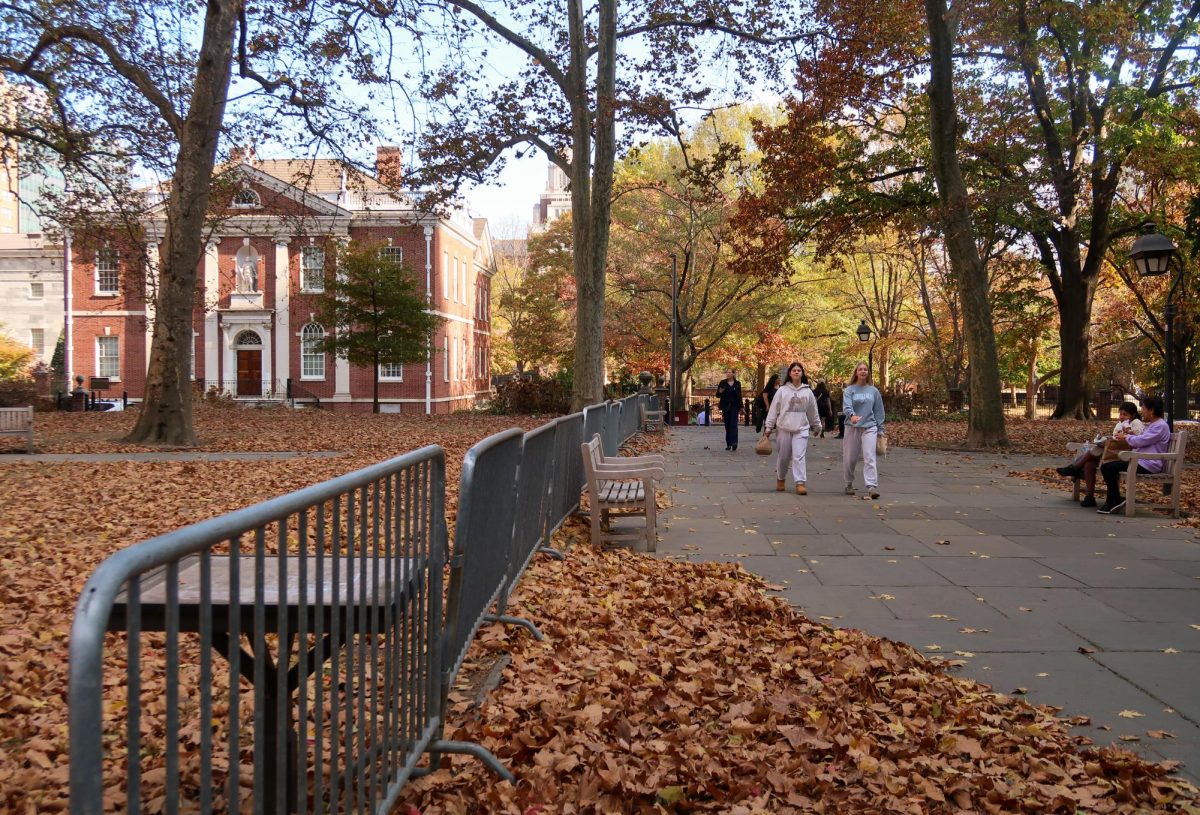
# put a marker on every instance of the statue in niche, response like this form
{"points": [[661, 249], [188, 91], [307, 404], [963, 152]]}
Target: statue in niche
{"points": [[247, 270]]}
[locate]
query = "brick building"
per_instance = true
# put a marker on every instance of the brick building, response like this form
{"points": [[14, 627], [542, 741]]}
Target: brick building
{"points": [[267, 261]]}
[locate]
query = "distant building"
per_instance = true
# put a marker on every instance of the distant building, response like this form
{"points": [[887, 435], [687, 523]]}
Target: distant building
{"points": [[31, 281], [31, 292], [554, 202], [254, 329]]}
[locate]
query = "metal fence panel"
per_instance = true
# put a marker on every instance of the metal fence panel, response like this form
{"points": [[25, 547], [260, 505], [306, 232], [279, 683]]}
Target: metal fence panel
{"points": [[593, 422], [326, 605], [534, 483], [611, 434], [568, 466], [482, 540]]}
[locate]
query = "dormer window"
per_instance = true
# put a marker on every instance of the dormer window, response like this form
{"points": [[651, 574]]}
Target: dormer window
{"points": [[246, 198]]}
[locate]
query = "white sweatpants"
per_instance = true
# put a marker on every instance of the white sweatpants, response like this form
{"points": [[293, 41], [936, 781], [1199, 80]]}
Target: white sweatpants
{"points": [[860, 443], [792, 447]]}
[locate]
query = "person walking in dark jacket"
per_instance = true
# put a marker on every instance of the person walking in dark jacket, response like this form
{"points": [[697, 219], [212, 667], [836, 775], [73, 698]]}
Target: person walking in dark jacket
{"points": [[824, 411], [729, 397], [763, 403]]}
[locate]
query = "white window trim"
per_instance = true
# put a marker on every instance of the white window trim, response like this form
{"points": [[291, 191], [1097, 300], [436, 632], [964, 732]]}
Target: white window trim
{"points": [[304, 288], [96, 275], [445, 276], [446, 358], [114, 377], [40, 349], [33, 296], [398, 251], [324, 368], [385, 378]]}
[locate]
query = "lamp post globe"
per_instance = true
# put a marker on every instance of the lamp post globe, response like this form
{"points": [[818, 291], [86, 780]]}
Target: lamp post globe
{"points": [[1151, 254], [863, 331]]}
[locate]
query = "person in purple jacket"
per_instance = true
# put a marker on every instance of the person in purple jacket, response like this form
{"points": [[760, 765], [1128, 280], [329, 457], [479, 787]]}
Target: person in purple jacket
{"points": [[1156, 438]]}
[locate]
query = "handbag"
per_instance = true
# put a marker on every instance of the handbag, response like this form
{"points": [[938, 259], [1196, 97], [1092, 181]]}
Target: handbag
{"points": [[881, 444], [763, 446]]}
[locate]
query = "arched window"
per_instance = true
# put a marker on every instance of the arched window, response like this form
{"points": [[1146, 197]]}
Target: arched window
{"points": [[246, 198], [248, 338], [312, 358]]}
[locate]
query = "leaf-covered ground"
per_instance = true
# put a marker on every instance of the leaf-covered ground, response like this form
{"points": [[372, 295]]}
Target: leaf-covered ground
{"points": [[1042, 437], [660, 685], [674, 687]]}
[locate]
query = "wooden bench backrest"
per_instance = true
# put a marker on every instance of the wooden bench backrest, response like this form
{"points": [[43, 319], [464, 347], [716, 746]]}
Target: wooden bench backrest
{"points": [[1178, 446], [591, 457], [16, 418]]}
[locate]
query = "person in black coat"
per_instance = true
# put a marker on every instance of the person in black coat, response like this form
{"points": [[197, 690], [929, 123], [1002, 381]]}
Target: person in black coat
{"points": [[729, 397], [763, 403], [824, 408]]}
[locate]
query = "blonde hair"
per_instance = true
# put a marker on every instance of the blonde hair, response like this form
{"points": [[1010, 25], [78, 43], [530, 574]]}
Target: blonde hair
{"points": [[866, 376]]}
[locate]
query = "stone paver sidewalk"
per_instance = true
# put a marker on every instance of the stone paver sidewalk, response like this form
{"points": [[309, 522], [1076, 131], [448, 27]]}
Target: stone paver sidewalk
{"points": [[1091, 613]]}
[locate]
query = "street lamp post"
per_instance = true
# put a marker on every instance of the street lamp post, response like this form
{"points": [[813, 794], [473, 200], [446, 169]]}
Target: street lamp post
{"points": [[1151, 255], [864, 335], [674, 335]]}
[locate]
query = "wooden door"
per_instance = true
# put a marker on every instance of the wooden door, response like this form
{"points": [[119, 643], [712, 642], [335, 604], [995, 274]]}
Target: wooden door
{"points": [[249, 373]]}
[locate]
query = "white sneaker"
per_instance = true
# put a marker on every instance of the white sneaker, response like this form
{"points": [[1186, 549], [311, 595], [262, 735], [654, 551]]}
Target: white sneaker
{"points": [[873, 492], [849, 489]]}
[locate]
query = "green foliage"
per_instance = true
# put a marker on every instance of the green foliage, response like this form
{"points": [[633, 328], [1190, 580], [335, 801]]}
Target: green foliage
{"points": [[377, 309]]}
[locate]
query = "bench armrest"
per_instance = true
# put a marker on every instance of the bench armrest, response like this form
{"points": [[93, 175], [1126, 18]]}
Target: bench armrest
{"points": [[1130, 455], [1076, 446]]}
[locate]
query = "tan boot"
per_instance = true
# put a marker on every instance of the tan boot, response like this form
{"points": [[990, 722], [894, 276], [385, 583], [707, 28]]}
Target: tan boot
{"points": [[779, 485], [801, 489]]}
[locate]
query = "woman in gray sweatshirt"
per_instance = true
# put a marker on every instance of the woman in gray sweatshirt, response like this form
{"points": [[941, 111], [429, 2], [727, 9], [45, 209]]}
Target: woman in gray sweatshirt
{"points": [[862, 405], [794, 415]]}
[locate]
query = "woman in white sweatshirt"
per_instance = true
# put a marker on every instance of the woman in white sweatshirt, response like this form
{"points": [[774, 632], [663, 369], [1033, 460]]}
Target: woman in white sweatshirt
{"points": [[793, 413]]}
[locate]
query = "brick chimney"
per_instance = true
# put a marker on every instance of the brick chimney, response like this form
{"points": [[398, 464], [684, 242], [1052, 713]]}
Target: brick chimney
{"points": [[387, 164]]}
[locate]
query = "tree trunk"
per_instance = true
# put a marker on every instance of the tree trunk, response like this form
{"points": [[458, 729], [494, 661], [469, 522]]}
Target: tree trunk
{"points": [[1181, 373], [884, 370], [986, 417], [1074, 327], [166, 415], [591, 192]]}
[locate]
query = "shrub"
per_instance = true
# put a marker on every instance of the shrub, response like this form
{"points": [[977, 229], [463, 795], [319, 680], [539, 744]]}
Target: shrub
{"points": [[18, 393], [527, 396]]}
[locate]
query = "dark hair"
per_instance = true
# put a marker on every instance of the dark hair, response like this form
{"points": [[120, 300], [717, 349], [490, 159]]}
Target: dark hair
{"points": [[803, 374], [1129, 407], [1155, 404], [772, 382]]}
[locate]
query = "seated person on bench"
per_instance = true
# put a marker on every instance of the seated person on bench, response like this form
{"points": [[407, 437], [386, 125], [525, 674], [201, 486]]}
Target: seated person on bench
{"points": [[1085, 464], [1156, 438]]}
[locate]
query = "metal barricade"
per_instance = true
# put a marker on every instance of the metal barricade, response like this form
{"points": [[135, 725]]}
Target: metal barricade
{"points": [[568, 481], [327, 607], [594, 417], [534, 482], [631, 413], [610, 436], [482, 540]]}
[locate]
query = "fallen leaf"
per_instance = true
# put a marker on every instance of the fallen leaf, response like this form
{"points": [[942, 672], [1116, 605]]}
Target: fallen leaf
{"points": [[1130, 714]]}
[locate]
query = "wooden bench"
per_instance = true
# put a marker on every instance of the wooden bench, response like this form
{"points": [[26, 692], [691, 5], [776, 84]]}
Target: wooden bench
{"points": [[18, 421], [1078, 447], [624, 489], [1172, 472], [652, 420]]}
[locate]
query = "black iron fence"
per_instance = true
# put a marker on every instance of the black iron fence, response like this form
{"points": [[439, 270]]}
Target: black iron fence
{"points": [[326, 607]]}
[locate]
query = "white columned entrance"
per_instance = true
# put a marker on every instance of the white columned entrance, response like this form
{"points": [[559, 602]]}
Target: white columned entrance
{"points": [[153, 279], [341, 365], [212, 338], [283, 299]]}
